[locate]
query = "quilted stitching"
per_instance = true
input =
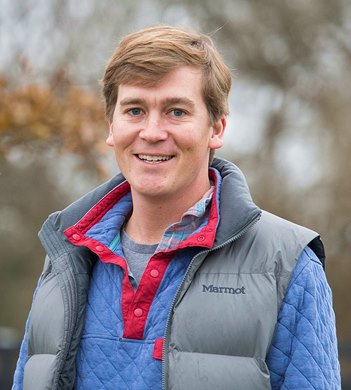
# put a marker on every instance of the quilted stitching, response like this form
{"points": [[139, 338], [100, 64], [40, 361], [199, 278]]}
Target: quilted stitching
{"points": [[105, 360], [103, 312], [156, 322], [303, 353], [106, 229], [294, 361], [111, 364]]}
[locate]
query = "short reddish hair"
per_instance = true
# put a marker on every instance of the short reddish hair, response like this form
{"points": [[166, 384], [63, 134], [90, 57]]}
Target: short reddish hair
{"points": [[146, 56]]}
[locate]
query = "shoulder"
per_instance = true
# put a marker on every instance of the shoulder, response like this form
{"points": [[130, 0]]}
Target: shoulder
{"points": [[273, 232], [282, 229], [309, 278], [277, 243], [308, 298]]}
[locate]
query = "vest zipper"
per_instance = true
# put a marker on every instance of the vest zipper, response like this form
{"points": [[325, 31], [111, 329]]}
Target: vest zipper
{"points": [[234, 238]]}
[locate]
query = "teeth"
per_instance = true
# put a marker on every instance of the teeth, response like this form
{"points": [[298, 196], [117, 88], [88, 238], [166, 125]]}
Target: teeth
{"points": [[146, 157]]}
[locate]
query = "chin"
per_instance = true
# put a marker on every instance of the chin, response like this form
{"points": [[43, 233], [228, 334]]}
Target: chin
{"points": [[149, 190]]}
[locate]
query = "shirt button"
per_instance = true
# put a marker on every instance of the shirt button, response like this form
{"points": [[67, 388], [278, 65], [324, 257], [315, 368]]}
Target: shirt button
{"points": [[99, 248], [138, 312], [154, 273], [76, 237]]}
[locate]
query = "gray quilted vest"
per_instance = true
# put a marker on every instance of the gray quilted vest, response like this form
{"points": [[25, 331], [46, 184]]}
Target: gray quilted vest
{"points": [[223, 321], [223, 316]]}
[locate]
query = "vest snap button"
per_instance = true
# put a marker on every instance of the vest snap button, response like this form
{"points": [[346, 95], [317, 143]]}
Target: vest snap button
{"points": [[154, 273], [99, 248], [138, 312], [201, 238], [76, 237]]}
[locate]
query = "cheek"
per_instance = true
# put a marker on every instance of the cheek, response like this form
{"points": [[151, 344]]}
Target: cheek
{"points": [[190, 139], [197, 143], [123, 137]]}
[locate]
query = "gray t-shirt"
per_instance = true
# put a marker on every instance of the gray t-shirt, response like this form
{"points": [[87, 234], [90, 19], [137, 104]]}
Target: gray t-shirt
{"points": [[137, 255]]}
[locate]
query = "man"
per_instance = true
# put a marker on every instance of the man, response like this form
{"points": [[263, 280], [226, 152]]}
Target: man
{"points": [[170, 276]]}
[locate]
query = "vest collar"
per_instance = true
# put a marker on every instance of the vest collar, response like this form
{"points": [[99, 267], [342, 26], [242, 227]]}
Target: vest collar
{"points": [[236, 207]]}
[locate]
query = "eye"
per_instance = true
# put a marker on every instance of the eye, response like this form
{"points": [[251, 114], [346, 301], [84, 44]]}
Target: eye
{"points": [[135, 111], [177, 112]]}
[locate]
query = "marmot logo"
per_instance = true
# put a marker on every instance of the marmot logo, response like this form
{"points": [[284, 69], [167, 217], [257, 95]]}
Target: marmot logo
{"points": [[223, 290]]}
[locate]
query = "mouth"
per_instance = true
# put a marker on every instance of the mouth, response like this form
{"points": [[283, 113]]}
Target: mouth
{"points": [[153, 159]]}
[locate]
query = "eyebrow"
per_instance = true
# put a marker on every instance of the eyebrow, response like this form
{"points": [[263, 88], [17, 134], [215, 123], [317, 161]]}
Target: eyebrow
{"points": [[130, 101], [166, 102], [179, 100]]}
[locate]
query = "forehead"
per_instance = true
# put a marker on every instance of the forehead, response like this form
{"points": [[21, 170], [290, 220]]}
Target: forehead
{"points": [[182, 82]]}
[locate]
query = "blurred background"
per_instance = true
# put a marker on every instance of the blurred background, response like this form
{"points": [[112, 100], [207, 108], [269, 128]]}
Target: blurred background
{"points": [[289, 127]]}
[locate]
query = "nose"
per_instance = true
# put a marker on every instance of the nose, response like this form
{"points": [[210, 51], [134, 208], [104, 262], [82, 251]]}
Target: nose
{"points": [[154, 129]]}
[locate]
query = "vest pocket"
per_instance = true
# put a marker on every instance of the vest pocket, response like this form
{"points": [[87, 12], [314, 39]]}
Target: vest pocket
{"points": [[200, 371]]}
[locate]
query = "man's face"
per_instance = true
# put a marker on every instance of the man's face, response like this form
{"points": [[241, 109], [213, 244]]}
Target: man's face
{"points": [[162, 135]]}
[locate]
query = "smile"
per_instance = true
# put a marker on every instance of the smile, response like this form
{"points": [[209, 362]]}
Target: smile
{"points": [[153, 159]]}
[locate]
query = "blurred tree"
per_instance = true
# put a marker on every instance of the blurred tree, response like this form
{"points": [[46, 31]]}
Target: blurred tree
{"points": [[57, 116]]}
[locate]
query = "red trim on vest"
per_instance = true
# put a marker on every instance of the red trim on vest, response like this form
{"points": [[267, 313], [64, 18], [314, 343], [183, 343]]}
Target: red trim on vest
{"points": [[158, 349], [136, 304], [96, 213], [135, 320]]}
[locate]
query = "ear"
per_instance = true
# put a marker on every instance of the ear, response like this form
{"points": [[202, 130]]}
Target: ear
{"points": [[109, 140], [217, 135]]}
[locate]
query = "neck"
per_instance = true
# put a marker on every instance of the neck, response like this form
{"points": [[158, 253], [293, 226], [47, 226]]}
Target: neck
{"points": [[151, 216]]}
